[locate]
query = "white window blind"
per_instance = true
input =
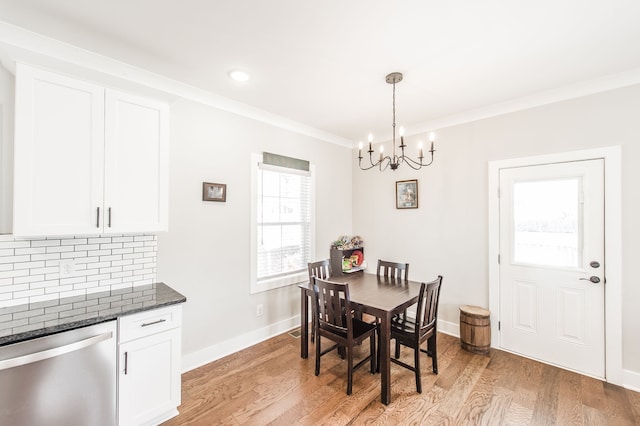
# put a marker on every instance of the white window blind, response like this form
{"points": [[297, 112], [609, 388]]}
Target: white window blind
{"points": [[283, 221]]}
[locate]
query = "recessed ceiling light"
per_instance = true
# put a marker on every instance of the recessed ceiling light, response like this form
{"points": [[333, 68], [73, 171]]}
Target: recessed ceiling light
{"points": [[238, 75]]}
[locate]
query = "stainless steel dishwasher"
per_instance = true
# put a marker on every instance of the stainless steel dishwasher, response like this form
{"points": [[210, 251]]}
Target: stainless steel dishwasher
{"points": [[67, 378]]}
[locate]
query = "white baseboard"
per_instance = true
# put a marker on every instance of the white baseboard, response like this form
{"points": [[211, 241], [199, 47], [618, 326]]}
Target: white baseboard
{"points": [[450, 328], [631, 380], [222, 349]]}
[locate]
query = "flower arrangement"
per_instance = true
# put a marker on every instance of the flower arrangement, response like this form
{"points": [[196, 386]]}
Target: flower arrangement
{"points": [[344, 242]]}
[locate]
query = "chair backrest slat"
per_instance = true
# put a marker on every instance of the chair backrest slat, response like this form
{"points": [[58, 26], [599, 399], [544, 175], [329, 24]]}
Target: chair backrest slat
{"points": [[332, 302], [393, 270], [320, 269], [427, 312]]}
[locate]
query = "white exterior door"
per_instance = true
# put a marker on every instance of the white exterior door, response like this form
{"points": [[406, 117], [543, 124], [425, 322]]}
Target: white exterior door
{"points": [[552, 270]]}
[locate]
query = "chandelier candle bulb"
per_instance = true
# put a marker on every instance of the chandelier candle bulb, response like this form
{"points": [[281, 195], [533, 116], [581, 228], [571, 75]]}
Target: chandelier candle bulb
{"points": [[360, 149], [420, 148]]}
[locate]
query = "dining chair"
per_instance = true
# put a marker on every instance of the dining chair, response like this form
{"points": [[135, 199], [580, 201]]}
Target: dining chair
{"points": [[336, 322], [413, 332], [320, 269], [393, 270]]}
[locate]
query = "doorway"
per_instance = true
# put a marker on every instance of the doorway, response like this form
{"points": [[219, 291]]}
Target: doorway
{"points": [[551, 236]]}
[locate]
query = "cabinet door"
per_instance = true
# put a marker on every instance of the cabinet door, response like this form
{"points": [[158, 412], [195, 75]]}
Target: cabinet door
{"points": [[58, 154], [136, 164], [149, 378]]}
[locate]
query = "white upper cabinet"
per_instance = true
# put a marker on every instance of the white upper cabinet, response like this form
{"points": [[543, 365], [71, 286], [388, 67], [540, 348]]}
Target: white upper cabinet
{"points": [[136, 164], [87, 160]]}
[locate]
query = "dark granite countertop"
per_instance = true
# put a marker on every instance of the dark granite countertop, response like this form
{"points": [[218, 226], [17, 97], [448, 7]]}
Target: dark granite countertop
{"points": [[33, 320]]}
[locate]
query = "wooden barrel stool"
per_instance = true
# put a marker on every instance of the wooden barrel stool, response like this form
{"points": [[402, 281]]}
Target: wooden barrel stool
{"points": [[475, 329]]}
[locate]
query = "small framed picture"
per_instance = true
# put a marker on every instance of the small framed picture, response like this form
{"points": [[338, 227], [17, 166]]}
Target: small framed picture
{"points": [[214, 191], [407, 194]]}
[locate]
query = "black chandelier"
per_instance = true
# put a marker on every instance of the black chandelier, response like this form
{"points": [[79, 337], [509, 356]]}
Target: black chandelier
{"points": [[395, 160]]}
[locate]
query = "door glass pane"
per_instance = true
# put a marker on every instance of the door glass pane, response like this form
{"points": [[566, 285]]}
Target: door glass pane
{"points": [[547, 222]]}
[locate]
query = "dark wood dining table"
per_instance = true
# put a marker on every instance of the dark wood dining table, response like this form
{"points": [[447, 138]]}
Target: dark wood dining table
{"points": [[381, 297]]}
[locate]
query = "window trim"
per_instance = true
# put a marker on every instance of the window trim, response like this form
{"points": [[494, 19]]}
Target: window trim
{"points": [[294, 278]]}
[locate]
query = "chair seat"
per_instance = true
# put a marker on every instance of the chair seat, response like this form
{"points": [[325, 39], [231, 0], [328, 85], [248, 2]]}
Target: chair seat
{"points": [[404, 325], [360, 329]]}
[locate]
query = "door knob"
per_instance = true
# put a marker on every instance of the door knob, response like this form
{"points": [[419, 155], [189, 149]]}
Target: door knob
{"points": [[594, 264], [593, 279]]}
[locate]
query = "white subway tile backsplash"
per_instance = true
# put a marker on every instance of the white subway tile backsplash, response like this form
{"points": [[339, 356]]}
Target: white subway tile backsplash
{"points": [[73, 254], [14, 244], [44, 243], [88, 247], [14, 259], [134, 244], [110, 257], [28, 293], [50, 256], [19, 273], [123, 239], [28, 279], [60, 249], [29, 269], [110, 246], [122, 251], [28, 265], [73, 241], [31, 250], [99, 252], [99, 240]]}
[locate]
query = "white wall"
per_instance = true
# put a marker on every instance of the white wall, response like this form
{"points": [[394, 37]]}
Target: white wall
{"points": [[206, 251], [447, 234]]}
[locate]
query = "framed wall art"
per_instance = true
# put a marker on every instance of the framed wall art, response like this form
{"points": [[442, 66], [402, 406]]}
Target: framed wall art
{"points": [[214, 191], [407, 194]]}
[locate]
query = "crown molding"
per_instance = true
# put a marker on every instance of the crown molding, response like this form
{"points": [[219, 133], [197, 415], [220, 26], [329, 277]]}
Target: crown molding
{"points": [[573, 91], [20, 45]]}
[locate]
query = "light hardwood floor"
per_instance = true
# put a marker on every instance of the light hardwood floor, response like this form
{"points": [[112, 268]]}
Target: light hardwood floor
{"points": [[270, 384]]}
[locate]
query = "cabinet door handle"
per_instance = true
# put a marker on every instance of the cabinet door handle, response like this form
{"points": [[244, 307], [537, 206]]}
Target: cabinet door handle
{"points": [[109, 217], [146, 324], [98, 218], [126, 362]]}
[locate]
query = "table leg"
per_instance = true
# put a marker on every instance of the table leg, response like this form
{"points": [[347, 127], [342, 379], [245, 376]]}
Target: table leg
{"points": [[304, 324], [385, 360]]}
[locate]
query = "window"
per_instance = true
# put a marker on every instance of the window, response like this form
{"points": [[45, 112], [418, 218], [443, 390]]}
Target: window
{"points": [[546, 220], [282, 225]]}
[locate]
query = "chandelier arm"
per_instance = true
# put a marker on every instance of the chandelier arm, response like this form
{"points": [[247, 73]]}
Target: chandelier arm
{"points": [[378, 163], [412, 163], [388, 161], [368, 167]]}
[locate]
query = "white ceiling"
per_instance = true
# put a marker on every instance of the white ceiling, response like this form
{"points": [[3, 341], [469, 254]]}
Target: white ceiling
{"points": [[323, 63]]}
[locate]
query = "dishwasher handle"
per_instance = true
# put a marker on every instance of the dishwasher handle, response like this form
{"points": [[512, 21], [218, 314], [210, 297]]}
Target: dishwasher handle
{"points": [[53, 352]]}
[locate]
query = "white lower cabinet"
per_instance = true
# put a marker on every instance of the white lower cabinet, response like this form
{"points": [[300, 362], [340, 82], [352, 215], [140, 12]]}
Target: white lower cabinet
{"points": [[149, 353]]}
